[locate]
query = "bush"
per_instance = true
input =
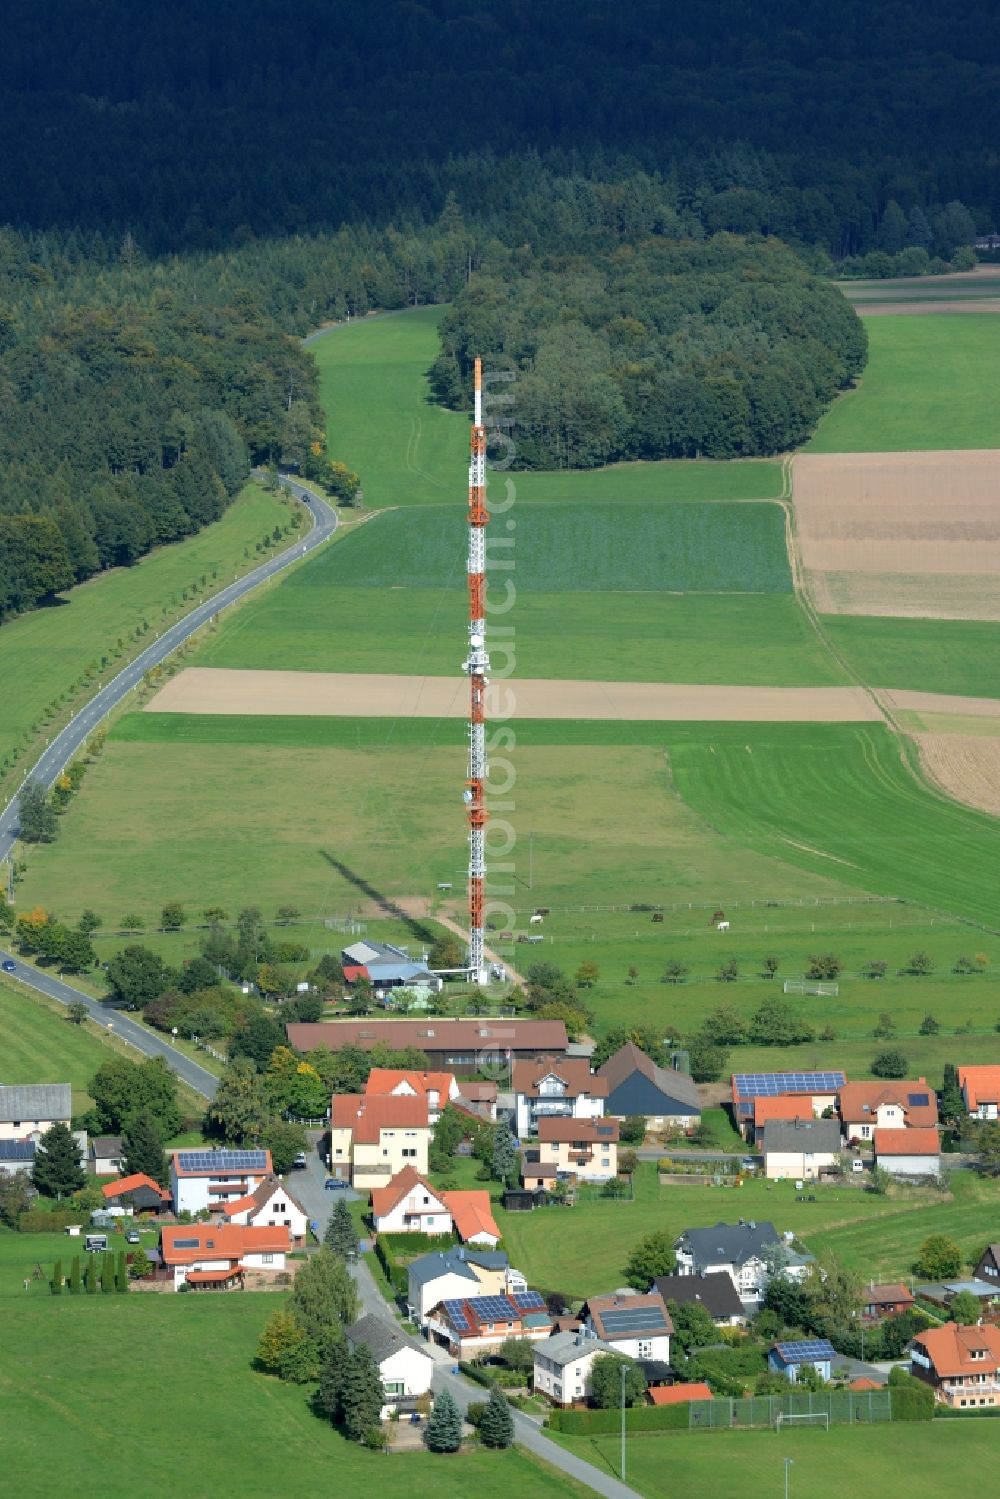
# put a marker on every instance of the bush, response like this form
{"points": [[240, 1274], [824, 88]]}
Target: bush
{"points": [[638, 1418], [912, 1400], [890, 1064]]}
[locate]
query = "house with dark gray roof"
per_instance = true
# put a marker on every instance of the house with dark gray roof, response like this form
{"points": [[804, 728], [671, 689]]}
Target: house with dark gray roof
{"points": [[748, 1252], [563, 1365], [715, 1292], [27, 1110], [800, 1148], [104, 1155], [451, 1274], [406, 1369], [637, 1086]]}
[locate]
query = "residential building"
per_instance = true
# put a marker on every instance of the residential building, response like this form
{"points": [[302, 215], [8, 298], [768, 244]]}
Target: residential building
{"points": [[452, 1274], [943, 1293], [408, 1204], [16, 1155], [662, 1095], [715, 1292], [104, 1155], [555, 1088], [467, 1327], [219, 1254], [908, 1152], [885, 1301], [962, 1364], [988, 1268], [584, 1148], [821, 1088], [865, 1107], [27, 1110], [788, 1107], [637, 1326], [800, 1148], [202, 1179], [404, 1367], [749, 1253], [679, 1394], [271, 1205], [436, 1088], [790, 1359], [472, 1214], [464, 1047], [139, 1192], [479, 1099], [980, 1091], [372, 1139], [562, 1366]]}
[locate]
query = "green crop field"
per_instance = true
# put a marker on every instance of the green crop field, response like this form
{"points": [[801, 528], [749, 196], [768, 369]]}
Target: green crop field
{"points": [[68, 1368], [928, 385], [408, 450], [44, 654], [897, 1461], [921, 655], [40, 1045]]}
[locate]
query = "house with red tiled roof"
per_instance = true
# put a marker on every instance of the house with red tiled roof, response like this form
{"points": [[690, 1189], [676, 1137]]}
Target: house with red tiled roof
{"points": [[139, 1192], [467, 1326], [678, 1394], [787, 1106], [908, 1152], [372, 1138], [408, 1204], [980, 1091], [271, 1205], [885, 1301], [219, 1254], [473, 1218], [961, 1363], [866, 1107], [555, 1087], [438, 1088]]}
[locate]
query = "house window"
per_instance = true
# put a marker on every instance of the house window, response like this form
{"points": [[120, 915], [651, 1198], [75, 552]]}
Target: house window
{"points": [[645, 1348], [395, 1387], [268, 1259], [405, 1152], [279, 1207]]}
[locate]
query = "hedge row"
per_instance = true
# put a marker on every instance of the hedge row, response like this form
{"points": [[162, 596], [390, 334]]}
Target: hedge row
{"points": [[638, 1418]]}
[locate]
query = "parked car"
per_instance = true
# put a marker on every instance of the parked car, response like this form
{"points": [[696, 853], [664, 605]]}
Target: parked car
{"points": [[9, 966], [133, 1236], [748, 1163], [300, 1159], [334, 1184]]}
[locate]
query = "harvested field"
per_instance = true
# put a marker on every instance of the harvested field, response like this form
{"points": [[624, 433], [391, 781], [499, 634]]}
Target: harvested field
{"points": [[304, 693], [904, 534], [893, 309], [966, 766], [946, 703]]}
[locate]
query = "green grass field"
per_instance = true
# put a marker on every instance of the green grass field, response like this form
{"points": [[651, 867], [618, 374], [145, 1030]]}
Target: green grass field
{"points": [[897, 1461], [68, 1371], [45, 653], [928, 385], [923, 655], [40, 1045]]}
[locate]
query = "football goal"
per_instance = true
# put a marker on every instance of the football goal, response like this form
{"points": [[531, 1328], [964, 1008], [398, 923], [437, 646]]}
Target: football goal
{"points": [[810, 1418]]}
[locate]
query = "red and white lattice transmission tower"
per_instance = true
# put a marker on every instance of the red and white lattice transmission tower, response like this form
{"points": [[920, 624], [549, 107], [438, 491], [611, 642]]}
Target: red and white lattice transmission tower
{"points": [[477, 664]]}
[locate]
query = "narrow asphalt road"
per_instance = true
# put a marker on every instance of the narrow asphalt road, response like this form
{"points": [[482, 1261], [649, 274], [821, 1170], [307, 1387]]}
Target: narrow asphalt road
{"points": [[77, 731]]}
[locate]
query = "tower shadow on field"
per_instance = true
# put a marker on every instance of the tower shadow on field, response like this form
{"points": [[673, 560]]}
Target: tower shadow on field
{"points": [[384, 902]]}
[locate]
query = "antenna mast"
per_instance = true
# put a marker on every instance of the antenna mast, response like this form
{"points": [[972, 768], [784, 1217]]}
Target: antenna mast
{"points": [[477, 664]]}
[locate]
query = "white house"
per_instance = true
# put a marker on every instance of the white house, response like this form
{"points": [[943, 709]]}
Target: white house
{"points": [[28, 1110], [800, 1148], [405, 1368], [555, 1088], [217, 1254], [866, 1107], [748, 1252], [270, 1206], [438, 1088], [980, 1091], [908, 1152], [410, 1205], [202, 1179], [563, 1364], [637, 1326], [104, 1155], [450, 1274]]}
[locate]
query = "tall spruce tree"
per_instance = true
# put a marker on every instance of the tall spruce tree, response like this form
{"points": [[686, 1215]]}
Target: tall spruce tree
{"points": [[341, 1236], [361, 1394], [496, 1429], [57, 1171], [331, 1380], [505, 1164], [443, 1432], [144, 1149]]}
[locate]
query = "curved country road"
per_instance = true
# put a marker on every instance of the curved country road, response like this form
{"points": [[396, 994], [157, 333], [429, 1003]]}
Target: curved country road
{"points": [[81, 726]]}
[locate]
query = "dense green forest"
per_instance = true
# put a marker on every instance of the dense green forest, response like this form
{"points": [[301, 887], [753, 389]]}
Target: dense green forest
{"points": [[662, 349]]}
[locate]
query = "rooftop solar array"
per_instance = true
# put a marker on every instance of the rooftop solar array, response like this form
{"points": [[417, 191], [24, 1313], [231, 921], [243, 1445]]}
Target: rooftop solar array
{"points": [[222, 1160], [634, 1320], [807, 1351], [771, 1084], [16, 1150], [528, 1301], [187, 1243], [456, 1315], [918, 1100], [493, 1309]]}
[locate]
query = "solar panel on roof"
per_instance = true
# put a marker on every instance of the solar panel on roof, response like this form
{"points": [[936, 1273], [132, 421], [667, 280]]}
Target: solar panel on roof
{"points": [[187, 1243], [918, 1100], [806, 1351], [222, 1160], [528, 1300], [771, 1084], [456, 1315], [634, 1319]]}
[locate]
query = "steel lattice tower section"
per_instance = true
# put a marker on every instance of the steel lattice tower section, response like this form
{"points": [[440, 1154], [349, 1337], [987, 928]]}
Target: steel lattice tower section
{"points": [[477, 664]]}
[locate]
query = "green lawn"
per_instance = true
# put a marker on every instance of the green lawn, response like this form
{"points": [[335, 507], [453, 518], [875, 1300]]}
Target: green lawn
{"points": [[69, 1368], [40, 1045], [928, 385], [922, 655], [895, 1461], [44, 654]]}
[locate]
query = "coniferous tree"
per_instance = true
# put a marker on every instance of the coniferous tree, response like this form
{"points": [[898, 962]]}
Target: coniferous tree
{"points": [[74, 1276], [443, 1432], [57, 1170], [331, 1380], [496, 1429], [341, 1236], [506, 1162], [361, 1394], [56, 1282], [144, 1149]]}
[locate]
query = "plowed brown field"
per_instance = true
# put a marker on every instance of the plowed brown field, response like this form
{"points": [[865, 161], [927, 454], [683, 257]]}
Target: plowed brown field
{"points": [[912, 534], [966, 766]]}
